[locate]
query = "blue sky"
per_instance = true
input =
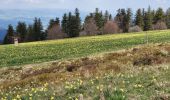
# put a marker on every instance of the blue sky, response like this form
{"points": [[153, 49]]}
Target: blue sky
{"points": [[12, 11], [83, 5]]}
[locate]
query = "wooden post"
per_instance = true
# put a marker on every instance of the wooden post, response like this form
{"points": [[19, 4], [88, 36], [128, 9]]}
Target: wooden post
{"points": [[16, 41]]}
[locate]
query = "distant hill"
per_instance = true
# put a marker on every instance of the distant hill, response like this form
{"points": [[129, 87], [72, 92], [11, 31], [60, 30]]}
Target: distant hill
{"points": [[2, 34], [13, 16]]}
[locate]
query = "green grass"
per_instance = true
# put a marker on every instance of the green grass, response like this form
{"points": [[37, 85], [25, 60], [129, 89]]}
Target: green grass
{"points": [[35, 52], [112, 76]]}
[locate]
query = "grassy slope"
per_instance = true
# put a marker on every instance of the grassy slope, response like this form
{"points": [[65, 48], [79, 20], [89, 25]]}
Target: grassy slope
{"points": [[28, 53], [141, 73]]}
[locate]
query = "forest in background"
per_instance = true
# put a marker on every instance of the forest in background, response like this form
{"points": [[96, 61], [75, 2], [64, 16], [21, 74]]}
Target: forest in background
{"points": [[96, 23]]}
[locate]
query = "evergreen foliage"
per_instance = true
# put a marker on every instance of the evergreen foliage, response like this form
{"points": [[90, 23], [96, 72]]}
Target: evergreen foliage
{"points": [[9, 36]]}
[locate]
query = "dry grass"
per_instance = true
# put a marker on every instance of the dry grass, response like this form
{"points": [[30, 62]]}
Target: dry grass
{"points": [[133, 60]]}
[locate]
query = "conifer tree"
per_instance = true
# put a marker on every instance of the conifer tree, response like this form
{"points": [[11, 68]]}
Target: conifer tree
{"points": [[106, 16], [123, 19], [98, 17], [168, 18], [38, 33], [159, 15], [53, 22], [120, 18], [73, 28], [128, 19], [148, 20], [21, 30], [64, 23], [30, 33], [110, 17], [139, 19], [78, 21], [9, 36], [69, 23]]}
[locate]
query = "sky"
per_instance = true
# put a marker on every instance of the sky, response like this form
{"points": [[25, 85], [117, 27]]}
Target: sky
{"points": [[12, 11], [83, 5]]}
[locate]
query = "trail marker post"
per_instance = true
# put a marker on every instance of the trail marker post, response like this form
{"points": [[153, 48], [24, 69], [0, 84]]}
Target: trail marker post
{"points": [[16, 41]]}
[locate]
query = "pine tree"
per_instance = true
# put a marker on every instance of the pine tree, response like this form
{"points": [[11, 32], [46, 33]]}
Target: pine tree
{"points": [[106, 16], [40, 33], [69, 24], [168, 18], [21, 30], [128, 19], [57, 21], [120, 19], [64, 23], [98, 17], [78, 21], [30, 34], [38, 30], [123, 19], [159, 15], [148, 20], [110, 17], [53, 22], [73, 28], [9, 36], [139, 19]]}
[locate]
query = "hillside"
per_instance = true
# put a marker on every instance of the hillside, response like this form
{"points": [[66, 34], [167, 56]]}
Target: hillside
{"points": [[140, 73], [36, 52]]}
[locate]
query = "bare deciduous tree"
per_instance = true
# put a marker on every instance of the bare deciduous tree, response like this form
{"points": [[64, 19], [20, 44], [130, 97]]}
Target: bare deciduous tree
{"points": [[110, 27], [159, 26], [135, 29], [55, 33], [90, 27]]}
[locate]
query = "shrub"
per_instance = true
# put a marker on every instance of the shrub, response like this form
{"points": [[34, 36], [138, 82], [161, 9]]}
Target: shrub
{"points": [[135, 29], [159, 26], [110, 27], [90, 28]]}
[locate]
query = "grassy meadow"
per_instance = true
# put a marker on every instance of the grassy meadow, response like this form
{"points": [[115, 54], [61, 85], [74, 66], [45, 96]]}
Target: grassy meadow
{"points": [[105, 67], [139, 73], [36, 52]]}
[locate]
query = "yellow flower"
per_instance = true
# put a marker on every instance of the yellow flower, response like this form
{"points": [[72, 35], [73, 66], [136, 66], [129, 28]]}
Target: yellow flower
{"points": [[52, 98], [30, 95], [81, 82], [33, 89], [70, 97], [18, 96], [46, 84], [140, 85], [122, 90], [45, 89], [92, 82], [98, 87]]}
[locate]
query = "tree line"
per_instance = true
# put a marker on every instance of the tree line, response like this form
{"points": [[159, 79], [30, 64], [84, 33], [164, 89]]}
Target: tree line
{"points": [[96, 23]]}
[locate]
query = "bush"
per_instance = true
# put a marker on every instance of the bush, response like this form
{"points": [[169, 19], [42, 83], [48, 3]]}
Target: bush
{"points": [[110, 27], [135, 29], [159, 26], [90, 28]]}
